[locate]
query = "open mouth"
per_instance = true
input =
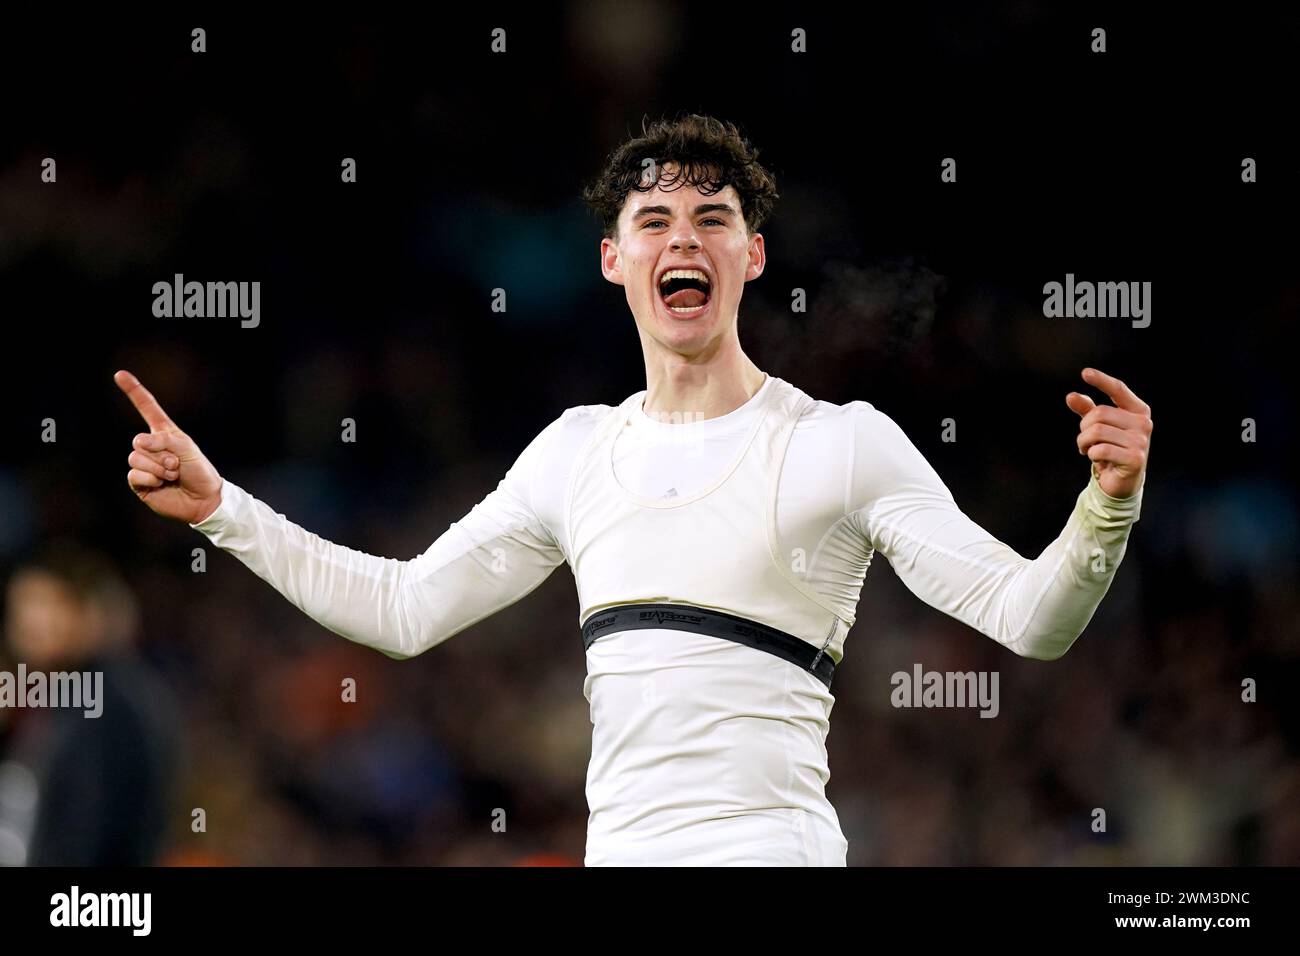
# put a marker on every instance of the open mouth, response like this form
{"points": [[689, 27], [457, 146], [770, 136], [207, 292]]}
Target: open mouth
{"points": [[685, 292]]}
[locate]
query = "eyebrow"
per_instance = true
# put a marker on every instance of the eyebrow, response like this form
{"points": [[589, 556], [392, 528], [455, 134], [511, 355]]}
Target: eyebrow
{"points": [[699, 210]]}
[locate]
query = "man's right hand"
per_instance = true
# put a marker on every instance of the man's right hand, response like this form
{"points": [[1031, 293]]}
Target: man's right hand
{"points": [[168, 472]]}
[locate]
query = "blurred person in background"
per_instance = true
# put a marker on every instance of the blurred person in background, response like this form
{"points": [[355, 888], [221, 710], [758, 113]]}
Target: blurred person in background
{"points": [[77, 790]]}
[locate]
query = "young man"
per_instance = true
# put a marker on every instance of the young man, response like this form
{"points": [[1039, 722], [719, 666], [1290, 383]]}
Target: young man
{"points": [[719, 525]]}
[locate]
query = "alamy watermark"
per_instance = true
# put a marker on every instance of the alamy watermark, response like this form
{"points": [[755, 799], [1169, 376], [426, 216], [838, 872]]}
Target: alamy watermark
{"points": [[75, 908], [1102, 300], [208, 300], [923, 688], [64, 689]]}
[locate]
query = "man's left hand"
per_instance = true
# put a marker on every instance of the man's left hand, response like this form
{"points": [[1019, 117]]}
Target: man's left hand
{"points": [[1116, 437]]}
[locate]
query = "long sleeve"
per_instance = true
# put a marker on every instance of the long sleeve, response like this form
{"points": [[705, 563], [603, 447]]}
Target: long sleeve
{"points": [[492, 557], [1036, 608]]}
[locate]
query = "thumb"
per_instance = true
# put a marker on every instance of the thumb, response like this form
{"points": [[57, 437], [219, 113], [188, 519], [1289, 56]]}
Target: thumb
{"points": [[1080, 404]]}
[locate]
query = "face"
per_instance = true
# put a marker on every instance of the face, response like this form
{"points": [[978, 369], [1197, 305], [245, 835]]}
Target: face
{"points": [[45, 623], [700, 245]]}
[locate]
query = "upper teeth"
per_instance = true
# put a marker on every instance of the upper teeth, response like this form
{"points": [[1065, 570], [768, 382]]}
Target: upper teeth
{"points": [[683, 274]]}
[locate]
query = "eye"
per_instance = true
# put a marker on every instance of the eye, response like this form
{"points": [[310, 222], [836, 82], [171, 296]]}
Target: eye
{"points": [[710, 219]]}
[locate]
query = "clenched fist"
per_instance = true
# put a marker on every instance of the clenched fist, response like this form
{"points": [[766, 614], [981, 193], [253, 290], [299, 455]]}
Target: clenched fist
{"points": [[168, 472], [1116, 437]]}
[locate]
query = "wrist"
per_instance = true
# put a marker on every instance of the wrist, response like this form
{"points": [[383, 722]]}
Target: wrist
{"points": [[1096, 480], [210, 505]]}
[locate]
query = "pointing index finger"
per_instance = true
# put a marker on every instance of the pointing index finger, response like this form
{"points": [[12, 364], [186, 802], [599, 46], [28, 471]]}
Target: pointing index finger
{"points": [[143, 401], [1119, 393]]}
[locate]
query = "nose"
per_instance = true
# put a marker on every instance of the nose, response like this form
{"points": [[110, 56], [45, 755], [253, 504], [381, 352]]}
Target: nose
{"points": [[684, 240]]}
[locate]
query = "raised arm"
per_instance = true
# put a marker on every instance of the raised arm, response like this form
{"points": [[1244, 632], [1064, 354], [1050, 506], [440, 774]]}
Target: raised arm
{"points": [[1038, 607], [492, 557]]}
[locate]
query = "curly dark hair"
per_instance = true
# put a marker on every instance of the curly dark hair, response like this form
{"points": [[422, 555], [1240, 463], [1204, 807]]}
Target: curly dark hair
{"points": [[707, 152]]}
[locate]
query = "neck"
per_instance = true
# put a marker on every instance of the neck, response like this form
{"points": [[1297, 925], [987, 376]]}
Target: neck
{"points": [[708, 385]]}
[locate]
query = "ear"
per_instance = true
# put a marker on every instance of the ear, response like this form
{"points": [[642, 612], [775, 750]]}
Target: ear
{"points": [[610, 262], [757, 257]]}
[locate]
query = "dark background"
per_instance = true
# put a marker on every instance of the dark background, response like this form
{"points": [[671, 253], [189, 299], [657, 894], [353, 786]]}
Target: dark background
{"points": [[925, 299]]}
